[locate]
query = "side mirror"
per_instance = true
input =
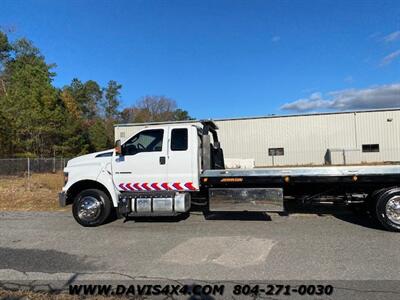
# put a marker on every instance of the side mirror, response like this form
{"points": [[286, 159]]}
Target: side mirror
{"points": [[118, 148]]}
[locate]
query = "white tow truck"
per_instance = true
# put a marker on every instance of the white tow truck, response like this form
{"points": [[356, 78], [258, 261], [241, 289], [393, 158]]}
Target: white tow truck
{"points": [[162, 168]]}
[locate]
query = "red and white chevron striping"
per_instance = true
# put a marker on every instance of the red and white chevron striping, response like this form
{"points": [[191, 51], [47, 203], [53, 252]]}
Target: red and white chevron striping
{"points": [[157, 186]]}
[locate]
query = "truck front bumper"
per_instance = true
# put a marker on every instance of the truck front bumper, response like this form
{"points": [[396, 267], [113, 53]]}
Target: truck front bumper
{"points": [[62, 199]]}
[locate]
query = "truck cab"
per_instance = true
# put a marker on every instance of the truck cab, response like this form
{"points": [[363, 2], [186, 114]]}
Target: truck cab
{"points": [[159, 158], [154, 172]]}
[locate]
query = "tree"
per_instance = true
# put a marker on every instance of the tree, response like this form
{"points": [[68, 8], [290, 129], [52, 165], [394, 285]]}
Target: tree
{"points": [[31, 103], [112, 93], [5, 128], [5, 49], [111, 103], [99, 140], [181, 115], [5, 135], [87, 96], [83, 102], [37, 119], [71, 104], [74, 139], [154, 109]]}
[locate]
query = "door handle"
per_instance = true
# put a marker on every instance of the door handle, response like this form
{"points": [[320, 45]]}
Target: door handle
{"points": [[162, 160]]}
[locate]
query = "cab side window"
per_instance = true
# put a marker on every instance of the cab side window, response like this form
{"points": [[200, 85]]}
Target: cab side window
{"points": [[179, 139], [144, 141]]}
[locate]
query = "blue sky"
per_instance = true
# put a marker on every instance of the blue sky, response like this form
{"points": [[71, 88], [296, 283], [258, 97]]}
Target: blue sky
{"points": [[223, 58]]}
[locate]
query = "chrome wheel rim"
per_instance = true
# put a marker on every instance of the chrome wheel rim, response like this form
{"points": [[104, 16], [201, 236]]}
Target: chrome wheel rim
{"points": [[393, 209], [89, 208]]}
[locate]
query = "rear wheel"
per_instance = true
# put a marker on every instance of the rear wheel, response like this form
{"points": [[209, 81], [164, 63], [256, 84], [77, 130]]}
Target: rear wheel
{"points": [[91, 207], [388, 209], [372, 201]]}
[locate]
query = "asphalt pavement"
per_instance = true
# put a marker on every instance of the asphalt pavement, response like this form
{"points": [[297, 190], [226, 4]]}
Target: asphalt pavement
{"points": [[241, 246]]}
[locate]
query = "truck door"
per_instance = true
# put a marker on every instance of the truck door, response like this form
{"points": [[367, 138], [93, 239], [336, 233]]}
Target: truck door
{"points": [[183, 169], [143, 163]]}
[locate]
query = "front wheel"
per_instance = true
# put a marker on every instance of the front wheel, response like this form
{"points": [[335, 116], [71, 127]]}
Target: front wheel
{"points": [[388, 209], [91, 207]]}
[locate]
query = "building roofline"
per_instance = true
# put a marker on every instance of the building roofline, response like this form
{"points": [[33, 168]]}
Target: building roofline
{"points": [[261, 117]]}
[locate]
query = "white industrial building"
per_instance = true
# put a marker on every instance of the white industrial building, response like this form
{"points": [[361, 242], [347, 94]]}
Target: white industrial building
{"points": [[336, 138]]}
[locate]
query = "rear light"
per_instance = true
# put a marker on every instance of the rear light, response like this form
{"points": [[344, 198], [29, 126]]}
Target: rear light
{"points": [[65, 178]]}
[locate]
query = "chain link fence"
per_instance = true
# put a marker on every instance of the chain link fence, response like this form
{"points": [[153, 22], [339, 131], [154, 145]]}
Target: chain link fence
{"points": [[28, 166]]}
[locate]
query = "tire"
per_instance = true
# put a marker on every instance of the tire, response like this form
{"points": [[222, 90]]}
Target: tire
{"points": [[371, 203], [388, 209], [92, 208]]}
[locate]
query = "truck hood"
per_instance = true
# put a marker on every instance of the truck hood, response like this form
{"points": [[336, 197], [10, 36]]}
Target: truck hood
{"points": [[90, 158]]}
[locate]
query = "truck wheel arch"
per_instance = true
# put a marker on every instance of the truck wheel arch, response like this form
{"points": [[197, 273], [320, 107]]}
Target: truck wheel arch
{"points": [[81, 185]]}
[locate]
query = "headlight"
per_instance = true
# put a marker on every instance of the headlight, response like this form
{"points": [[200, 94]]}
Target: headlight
{"points": [[65, 178]]}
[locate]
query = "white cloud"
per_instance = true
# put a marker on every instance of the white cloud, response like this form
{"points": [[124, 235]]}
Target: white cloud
{"points": [[275, 39], [374, 36], [383, 96], [394, 36], [389, 58]]}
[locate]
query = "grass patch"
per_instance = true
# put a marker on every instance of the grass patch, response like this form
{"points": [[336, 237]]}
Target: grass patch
{"points": [[20, 294], [39, 192], [30, 295]]}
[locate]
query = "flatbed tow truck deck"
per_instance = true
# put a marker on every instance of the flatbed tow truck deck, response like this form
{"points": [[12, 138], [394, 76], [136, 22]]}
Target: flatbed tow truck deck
{"points": [[309, 171], [350, 185], [310, 181], [359, 174]]}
